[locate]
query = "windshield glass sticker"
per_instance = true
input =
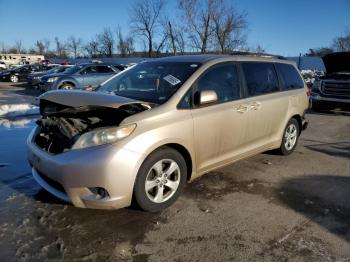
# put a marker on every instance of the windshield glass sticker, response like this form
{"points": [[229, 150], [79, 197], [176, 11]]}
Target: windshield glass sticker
{"points": [[172, 80]]}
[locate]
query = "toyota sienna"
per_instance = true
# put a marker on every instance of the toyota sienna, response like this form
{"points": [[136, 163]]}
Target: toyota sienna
{"points": [[144, 133]]}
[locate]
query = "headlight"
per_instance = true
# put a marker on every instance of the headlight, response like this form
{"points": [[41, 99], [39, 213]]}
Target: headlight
{"points": [[52, 79], [103, 136]]}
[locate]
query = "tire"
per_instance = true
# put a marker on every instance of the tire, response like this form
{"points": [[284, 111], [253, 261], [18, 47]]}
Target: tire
{"points": [[14, 78], [289, 141], [66, 86], [163, 189]]}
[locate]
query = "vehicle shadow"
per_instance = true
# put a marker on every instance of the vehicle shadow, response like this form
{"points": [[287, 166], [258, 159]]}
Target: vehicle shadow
{"points": [[338, 149], [343, 111], [324, 199]]}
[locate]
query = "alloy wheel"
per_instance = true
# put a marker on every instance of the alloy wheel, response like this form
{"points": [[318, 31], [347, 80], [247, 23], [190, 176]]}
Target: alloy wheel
{"points": [[290, 137], [162, 180]]}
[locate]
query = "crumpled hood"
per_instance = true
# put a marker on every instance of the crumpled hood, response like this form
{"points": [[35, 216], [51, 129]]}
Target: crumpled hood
{"points": [[337, 62], [74, 98]]}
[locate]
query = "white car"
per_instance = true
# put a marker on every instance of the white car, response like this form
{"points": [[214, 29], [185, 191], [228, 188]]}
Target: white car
{"points": [[2, 65]]}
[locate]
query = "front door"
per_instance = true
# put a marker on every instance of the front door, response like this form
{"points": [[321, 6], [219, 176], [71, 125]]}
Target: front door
{"points": [[219, 130]]}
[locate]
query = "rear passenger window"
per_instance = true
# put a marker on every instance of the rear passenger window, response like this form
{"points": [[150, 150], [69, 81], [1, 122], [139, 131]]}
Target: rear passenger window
{"points": [[104, 69], [223, 79], [290, 77], [261, 78]]}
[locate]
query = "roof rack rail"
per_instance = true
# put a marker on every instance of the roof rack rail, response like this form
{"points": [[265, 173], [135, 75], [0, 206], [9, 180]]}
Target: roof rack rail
{"points": [[248, 53]]}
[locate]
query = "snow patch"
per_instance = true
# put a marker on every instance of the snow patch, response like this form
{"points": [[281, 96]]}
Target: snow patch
{"points": [[18, 123], [13, 110]]}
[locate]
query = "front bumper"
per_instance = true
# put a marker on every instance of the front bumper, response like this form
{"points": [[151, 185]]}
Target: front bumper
{"points": [[33, 81], [319, 101], [47, 86], [70, 175]]}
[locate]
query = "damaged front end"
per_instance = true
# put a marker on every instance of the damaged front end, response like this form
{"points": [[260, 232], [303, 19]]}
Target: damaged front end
{"points": [[62, 126]]}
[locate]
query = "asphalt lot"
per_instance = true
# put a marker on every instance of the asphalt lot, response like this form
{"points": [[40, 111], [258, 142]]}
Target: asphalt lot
{"points": [[265, 208]]}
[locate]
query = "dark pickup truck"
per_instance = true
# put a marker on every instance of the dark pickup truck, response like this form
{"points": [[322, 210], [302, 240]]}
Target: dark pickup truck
{"points": [[333, 89]]}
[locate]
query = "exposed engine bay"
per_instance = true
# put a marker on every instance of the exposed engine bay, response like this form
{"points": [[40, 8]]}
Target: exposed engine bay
{"points": [[61, 126]]}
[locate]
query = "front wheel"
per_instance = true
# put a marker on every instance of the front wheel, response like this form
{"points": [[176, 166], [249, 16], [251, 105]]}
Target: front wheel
{"points": [[14, 78], [160, 180], [66, 86], [290, 137]]}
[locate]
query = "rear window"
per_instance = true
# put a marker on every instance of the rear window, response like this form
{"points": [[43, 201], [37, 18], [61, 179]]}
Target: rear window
{"points": [[290, 77], [260, 77]]}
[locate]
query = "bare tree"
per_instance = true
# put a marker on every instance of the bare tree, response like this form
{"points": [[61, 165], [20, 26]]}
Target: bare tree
{"points": [[46, 43], [40, 47], [18, 47], [74, 45], [172, 37], [3, 48], [342, 43], [92, 47], [125, 45], [321, 51], [106, 41], [228, 26], [145, 20], [198, 15], [61, 50]]}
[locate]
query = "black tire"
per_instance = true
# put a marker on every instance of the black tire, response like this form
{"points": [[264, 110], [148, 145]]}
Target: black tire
{"points": [[141, 197], [284, 149], [66, 86]]}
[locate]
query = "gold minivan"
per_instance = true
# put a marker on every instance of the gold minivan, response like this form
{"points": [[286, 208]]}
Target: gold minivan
{"points": [[147, 131]]}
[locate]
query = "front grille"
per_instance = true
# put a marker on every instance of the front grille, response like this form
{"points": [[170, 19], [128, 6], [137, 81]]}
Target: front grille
{"points": [[336, 89], [51, 182]]}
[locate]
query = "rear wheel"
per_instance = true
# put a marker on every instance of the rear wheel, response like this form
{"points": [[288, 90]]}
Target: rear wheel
{"points": [[290, 137], [14, 78], [66, 86], [160, 180]]}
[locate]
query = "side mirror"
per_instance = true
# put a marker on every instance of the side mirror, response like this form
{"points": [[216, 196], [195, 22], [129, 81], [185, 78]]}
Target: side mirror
{"points": [[89, 88], [206, 97]]}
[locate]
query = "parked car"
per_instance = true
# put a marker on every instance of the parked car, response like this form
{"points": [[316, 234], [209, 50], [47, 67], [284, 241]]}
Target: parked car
{"points": [[148, 130], [80, 76], [20, 73], [333, 89], [33, 79]]}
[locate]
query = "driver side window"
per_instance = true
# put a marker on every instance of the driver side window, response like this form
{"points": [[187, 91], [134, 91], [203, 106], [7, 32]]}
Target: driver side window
{"points": [[224, 80]]}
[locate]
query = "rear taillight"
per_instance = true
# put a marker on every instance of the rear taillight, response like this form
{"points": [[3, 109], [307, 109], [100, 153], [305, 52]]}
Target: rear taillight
{"points": [[308, 93]]}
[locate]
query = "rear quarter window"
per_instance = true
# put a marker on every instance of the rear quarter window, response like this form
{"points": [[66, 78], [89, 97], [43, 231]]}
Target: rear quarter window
{"points": [[289, 77], [261, 78]]}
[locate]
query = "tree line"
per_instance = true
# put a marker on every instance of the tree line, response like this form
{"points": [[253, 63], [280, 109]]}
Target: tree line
{"points": [[196, 26], [339, 44]]}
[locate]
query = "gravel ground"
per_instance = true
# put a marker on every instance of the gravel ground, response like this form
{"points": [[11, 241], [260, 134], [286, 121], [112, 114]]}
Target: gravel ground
{"points": [[265, 208]]}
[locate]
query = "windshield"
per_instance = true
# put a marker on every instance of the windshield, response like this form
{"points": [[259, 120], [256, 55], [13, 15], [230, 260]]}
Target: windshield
{"points": [[73, 69], [57, 69], [153, 82]]}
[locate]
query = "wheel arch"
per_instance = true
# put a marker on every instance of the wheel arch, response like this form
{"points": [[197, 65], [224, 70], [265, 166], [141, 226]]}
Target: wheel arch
{"points": [[67, 81], [185, 154], [299, 120]]}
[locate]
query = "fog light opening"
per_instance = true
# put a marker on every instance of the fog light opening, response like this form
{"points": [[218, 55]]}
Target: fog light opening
{"points": [[99, 192]]}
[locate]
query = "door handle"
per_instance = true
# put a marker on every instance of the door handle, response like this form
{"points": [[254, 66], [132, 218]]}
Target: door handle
{"points": [[248, 107]]}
